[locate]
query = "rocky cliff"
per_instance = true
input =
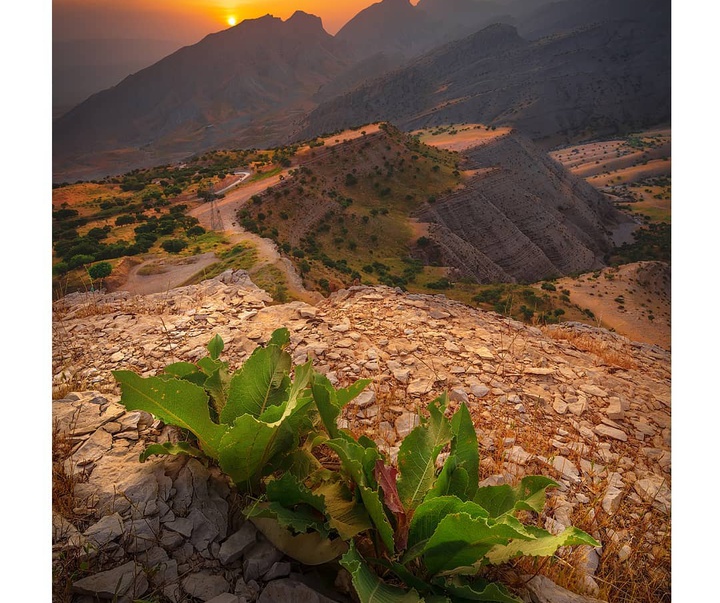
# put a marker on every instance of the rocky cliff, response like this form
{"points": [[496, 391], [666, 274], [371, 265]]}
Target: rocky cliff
{"points": [[522, 217], [585, 406]]}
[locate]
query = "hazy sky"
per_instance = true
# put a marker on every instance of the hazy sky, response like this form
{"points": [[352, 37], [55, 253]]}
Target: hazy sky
{"points": [[184, 20]]}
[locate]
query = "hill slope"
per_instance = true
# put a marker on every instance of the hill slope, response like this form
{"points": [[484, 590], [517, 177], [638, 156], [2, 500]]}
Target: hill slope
{"points": [[360, 209], [523, 217]]}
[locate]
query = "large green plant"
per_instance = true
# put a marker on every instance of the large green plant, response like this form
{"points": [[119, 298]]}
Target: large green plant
{"points": [[248, 421], [326, 493]]}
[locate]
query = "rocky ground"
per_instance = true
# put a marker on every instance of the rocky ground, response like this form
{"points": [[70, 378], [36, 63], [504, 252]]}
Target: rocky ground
{"points": [[585, 406]]}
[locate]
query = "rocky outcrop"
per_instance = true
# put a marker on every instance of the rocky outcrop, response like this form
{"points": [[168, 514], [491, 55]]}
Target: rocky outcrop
{"points": [[599, 426], [523, 217]]}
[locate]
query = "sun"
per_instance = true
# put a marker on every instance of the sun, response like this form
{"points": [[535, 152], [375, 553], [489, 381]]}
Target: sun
{"points": [[232, 21]]}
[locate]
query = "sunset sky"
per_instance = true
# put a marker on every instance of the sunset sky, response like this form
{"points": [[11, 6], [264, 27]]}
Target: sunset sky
{"points": [[183, 20]]}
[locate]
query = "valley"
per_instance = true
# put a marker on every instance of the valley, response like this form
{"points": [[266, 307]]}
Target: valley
{"points": [[372, 205]]}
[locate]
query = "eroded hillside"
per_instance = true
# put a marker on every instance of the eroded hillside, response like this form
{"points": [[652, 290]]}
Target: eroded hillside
{"points": [[390, 209], [521, 217]]}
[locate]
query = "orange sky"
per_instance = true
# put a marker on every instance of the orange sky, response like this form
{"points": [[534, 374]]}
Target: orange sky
{"points": [[185, 20]]}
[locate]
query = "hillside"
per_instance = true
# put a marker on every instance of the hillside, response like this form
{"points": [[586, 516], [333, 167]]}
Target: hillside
{"points": [[388, 26], [499, 212], [599, 79], [584, 406]]}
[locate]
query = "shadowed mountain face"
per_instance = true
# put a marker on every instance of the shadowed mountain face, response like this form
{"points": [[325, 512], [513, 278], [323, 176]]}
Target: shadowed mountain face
{"points": [[523, 218], [389, 26], [599, 79], [253, 71]]}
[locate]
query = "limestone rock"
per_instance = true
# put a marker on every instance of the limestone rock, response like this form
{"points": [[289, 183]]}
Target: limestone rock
{"points": [[259, 559], [544, 590], [288, 590], [611, 432], [205, 586], [654, 489], [124, 583], [104, 531], [235, 546]]}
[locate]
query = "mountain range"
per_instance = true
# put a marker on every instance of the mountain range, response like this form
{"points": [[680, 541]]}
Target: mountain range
{"points": [[553, 69]]}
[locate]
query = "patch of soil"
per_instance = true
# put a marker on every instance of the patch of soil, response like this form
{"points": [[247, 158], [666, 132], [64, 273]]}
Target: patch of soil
{"points": [[634, 300], [155, 275]]}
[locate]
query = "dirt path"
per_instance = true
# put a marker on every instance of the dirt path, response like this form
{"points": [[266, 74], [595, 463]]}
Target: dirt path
{"points": [[157, 274], [268, 254]]}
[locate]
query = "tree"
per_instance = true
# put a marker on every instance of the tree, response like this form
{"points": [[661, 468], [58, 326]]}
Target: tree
{"points": [[174, 245], [100, 271]]}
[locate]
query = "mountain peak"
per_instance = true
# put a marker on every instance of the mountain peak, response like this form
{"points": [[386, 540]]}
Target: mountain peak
{"points": [[311, 24]]}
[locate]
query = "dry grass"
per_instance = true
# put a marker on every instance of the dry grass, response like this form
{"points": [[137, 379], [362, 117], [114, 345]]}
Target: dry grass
{"points": [[70, 563], [613, 355]]}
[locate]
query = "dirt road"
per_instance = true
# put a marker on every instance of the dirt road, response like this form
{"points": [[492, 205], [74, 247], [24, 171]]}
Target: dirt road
{"points": [[158, 274]]}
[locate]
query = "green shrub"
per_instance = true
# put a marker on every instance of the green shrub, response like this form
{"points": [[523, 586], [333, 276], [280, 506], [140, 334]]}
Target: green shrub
{"points": [[174, 245], [100, 271], [442, 283]]}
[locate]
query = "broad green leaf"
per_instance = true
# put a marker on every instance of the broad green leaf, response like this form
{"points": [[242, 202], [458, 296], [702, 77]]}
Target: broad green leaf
{"points": [[418, 453], [326, 405], [461, 540], [441, 487], [288, 491], [247, 448], [354, 459], [465, 450], [215, 346], [310, 549], [216, 385], [366, 442], [330, 401], [344, 514], [528, 495], [300, 520], [208, 366], [300, 463], [261, 382], [174, 401], [347, 394], [544, 544], [295, 394], [170, 448], [351, 458], [370, 588], [280, 338], [477, 589], [376, 511], [180, 369], [429, 514]]}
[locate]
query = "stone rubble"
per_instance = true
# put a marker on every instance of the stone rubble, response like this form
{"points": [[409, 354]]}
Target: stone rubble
{"points": [[539, 405]]}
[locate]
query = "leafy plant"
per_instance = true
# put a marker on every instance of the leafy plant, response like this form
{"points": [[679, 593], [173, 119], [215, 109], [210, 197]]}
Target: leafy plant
{"points": [[248, 421], [324, 493]]}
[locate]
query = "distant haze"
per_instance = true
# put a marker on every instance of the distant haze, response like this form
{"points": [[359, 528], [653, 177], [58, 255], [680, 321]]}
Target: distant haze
{"points": [[97, 44]]}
